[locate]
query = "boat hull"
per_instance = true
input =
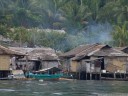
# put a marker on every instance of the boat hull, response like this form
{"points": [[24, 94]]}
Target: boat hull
{"points": [[45, 76]]}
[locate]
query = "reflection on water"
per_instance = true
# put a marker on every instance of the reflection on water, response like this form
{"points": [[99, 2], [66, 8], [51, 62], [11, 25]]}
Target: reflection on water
{"points": [[63, 88]]}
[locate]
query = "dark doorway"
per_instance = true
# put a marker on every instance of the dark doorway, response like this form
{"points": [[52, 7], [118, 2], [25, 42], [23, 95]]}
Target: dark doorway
{"points": [[102, 63], [4, 74], [37, 65]]}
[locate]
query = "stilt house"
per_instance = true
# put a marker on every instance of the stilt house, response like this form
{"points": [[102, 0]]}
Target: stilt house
{"points": [[95, 58], [7, 61], [37, 58]]}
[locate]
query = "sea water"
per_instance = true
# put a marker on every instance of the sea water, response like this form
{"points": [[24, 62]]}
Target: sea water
{"points": [[63, 88]]}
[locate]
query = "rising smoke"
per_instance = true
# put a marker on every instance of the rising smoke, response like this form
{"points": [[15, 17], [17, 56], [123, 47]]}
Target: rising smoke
{"points": [[99, 33], [94, 33]]}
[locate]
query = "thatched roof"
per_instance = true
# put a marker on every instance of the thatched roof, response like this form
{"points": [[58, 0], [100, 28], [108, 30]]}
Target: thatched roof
{"points": [[124, 49], [93, 50], [7, 51], [110, 52], [77, 50], [38, 53], [121, 48], [102, 52], [83, 50]]}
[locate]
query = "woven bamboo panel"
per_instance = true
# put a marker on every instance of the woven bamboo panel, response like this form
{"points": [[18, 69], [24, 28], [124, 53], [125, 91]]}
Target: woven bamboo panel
{"points": [[4, 62], [74, 66]]}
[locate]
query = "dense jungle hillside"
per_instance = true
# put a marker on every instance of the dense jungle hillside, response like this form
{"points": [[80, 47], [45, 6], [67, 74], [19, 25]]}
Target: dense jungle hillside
{"points": [[64, 24]]}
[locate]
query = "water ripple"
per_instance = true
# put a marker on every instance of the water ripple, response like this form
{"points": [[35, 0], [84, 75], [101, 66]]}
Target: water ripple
{"points": [[7, 90]]}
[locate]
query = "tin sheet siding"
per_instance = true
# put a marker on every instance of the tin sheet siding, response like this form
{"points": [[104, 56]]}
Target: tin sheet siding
{"points": [[4, 62]]}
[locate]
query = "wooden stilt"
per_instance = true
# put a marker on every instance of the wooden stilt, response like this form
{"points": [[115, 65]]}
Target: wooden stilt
{"points": [[90, 76], [76, 75], [114, 75], [96, 76], [100, 73], [100, 76], [120, 76], [90, 72], [79, 75], [86, 76], [124, 75]]}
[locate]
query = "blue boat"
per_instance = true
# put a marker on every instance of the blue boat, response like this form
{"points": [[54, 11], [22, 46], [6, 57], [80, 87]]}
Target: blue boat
{"points": [[46, 74]]}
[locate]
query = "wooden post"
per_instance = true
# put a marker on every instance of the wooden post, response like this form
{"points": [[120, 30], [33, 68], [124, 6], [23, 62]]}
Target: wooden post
{"points": [[96, 76], [80, 70], [79, 75], [90, 76], [86, 76], [26, 59], [26, 69], [69, 66], [100, 71], [114, 75], [86, 71], [124, 75], [120, 75], [90, 72]]}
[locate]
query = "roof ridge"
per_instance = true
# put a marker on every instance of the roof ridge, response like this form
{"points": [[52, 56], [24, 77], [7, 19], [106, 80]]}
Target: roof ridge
{"points": [[93, 45]]}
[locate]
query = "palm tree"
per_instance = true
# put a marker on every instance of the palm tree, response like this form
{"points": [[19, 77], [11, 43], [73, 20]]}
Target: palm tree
{"points": [[114, 11], [120, 35], [76, 14]]}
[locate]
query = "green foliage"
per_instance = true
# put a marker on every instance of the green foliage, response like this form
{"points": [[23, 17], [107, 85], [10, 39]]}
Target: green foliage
{"points": [[19, 34], [120, 35], [3, 30], [69, 15], [62, 13]]}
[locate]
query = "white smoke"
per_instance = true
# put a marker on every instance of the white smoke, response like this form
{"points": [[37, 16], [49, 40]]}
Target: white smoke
{"points": [[98, 33]]}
